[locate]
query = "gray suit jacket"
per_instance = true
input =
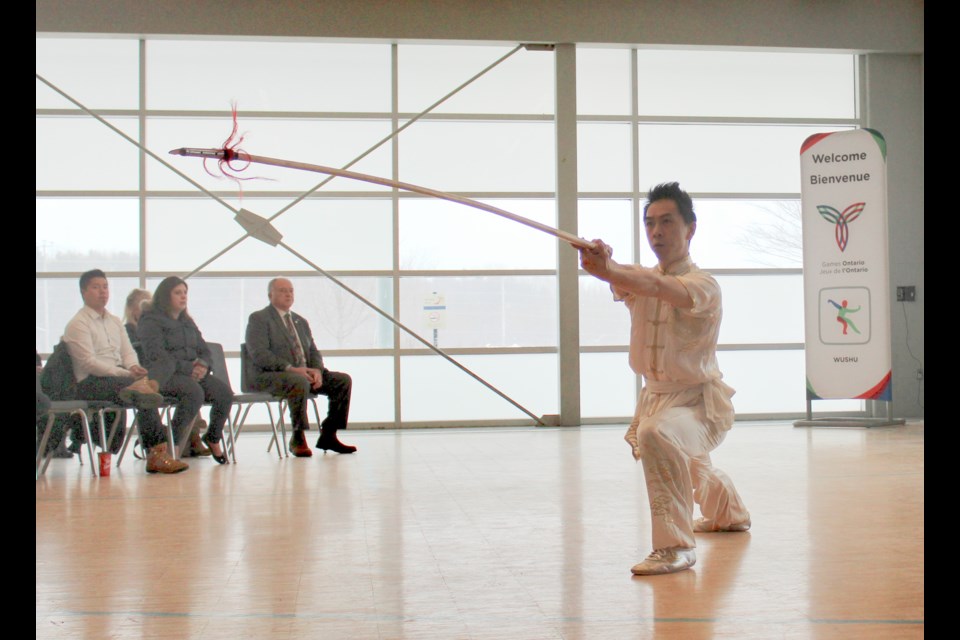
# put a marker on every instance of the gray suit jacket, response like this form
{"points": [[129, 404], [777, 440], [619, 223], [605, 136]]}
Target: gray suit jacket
{"points": [[270, 346]]}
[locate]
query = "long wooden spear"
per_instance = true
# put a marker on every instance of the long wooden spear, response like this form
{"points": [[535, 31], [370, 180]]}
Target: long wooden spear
{"points": [[227, 155]]}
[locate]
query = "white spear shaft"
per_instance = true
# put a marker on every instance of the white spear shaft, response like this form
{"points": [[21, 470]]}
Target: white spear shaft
{"points": [[242, 156]]}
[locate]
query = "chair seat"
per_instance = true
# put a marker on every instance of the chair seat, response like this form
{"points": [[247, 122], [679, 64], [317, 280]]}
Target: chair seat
{"points": [[66, 406], [254, 397]]}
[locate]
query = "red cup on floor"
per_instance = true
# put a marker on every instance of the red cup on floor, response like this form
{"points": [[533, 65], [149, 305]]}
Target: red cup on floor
{"points": [[105, 463]]}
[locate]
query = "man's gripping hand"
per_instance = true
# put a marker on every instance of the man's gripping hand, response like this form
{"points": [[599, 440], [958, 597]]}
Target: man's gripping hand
{"points": [[596, 261]]}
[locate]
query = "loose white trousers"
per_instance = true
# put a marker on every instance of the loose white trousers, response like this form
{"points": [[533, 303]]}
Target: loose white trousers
{"points": [[674, 445]]}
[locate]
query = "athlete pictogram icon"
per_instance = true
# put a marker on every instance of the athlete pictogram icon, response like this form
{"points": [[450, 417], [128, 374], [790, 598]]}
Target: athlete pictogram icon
{"points": [[842, 311]]}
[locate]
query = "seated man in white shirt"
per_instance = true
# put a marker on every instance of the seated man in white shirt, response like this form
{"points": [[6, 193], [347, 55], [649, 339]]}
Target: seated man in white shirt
{"points": [[106, 368]]}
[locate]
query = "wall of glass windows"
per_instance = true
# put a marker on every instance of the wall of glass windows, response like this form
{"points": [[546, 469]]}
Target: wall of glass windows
{"points": [[726, 125]]}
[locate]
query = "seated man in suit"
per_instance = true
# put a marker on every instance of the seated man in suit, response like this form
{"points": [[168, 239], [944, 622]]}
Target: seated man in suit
{"points": [[288, 364], [106, 367]]}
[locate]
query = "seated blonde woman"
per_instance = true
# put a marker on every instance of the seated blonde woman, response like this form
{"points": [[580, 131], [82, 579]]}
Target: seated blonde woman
{"points": [[131, 316]]}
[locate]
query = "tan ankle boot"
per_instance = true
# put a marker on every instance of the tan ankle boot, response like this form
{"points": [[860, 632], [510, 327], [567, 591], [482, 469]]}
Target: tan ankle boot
{"points": [[159, 461], [197, 448]]}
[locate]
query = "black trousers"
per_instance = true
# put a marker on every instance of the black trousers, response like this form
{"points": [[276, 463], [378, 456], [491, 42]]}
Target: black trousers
{"points": [[337, 386], [43, 405], [107, 388], [191, 395], [43, 402]]}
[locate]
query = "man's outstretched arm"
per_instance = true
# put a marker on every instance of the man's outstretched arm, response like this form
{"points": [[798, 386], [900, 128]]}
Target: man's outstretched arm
{"points": [[634, 279]]}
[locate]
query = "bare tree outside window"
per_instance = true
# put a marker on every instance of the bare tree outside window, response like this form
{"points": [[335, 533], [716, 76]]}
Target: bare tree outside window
{"points": [[778, 238], [340, 315]]}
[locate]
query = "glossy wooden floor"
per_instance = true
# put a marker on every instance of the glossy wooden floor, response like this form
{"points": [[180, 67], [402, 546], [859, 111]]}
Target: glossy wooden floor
{"points": [[522, 534]]}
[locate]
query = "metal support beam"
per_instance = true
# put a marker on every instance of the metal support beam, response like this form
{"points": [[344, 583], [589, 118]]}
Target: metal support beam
{"points": [[568, 262]]}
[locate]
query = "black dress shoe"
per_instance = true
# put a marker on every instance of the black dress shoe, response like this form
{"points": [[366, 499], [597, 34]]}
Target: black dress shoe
{"points": [[331, 443], [221, 459]]}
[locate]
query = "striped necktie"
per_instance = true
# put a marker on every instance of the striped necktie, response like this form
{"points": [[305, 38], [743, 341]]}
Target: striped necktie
{"points": [[297, 347]]}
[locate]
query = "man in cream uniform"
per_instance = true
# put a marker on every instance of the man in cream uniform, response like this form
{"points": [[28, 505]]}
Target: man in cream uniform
{"points": [[684, 410]]}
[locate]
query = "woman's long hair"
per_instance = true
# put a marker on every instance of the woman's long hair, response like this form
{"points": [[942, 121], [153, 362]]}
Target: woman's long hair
{"points": [[161, 297]]}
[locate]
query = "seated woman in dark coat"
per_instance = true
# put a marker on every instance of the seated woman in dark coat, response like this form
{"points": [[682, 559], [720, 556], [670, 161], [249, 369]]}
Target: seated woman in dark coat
{"points": [[136, 300], [178, 358]]}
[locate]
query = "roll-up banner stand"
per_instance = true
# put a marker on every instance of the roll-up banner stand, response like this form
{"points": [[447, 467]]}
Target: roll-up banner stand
{"points": [[846, 272]]}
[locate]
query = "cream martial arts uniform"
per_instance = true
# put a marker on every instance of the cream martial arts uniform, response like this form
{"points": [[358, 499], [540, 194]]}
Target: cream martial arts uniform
{"points": [[684, 410]]}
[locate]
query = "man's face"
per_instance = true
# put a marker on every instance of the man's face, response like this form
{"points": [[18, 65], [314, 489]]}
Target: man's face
{"points": [[668, 235], [281, 295], [96, 294]]}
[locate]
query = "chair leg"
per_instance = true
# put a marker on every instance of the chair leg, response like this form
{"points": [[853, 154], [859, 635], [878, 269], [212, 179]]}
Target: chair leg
{"points": [[106, 441], [229, 444], [281, 410], [45, 438], [89, 439], [171, 439], [185, 440], [103, 432], [114, 426], [275, 439], [316, 413], [241, 420], [132, 434], [235, 424], [238, 422], [43, 456]]}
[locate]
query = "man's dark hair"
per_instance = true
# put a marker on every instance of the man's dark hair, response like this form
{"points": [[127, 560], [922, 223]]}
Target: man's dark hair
{"points": [[161, 297], [672, 191], [85, 278]]}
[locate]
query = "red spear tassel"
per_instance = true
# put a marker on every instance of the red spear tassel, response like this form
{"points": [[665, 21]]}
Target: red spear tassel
{"points": [[232, 163]]}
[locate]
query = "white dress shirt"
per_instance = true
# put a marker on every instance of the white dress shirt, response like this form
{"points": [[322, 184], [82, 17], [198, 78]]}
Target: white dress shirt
{"points": [[99, 345]]}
